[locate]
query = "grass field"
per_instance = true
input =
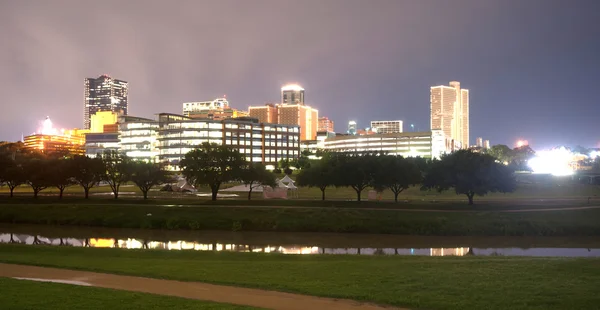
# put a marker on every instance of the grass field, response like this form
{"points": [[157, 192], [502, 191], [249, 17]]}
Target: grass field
{"points": [[549, 190], [414, 282], [483, 222], [29, 295]]}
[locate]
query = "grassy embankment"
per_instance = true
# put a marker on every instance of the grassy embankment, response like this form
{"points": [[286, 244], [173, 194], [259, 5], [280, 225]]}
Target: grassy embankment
{"points": [[361, 220], [21, 294], [414, 282]]}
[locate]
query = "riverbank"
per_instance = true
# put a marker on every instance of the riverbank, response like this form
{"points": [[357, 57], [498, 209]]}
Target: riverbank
{"points": [[413, 282], [577, 222], [23, 294]]}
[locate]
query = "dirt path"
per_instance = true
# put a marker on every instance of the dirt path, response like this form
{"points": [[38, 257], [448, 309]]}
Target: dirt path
{"points": [[191, 290]]}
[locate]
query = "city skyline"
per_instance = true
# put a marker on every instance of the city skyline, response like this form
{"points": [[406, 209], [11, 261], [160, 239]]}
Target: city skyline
{"points": [[381, 66]]}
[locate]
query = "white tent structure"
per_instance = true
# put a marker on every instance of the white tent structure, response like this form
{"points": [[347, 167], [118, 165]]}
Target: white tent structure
{"points": [[288, 183]]}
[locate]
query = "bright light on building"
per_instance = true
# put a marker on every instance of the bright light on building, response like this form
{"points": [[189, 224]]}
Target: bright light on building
{"points": [[557, 162], [292, 87], [522, 143]]}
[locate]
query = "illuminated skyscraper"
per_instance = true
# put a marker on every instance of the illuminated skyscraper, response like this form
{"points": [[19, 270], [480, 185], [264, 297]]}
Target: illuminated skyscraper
{"points": [[352, 127], [104, 94], [292, 94], [325, 124], [450, 111]]}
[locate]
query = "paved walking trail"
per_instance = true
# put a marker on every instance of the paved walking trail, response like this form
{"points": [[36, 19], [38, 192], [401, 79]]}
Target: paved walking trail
{"points": [[191, 290]]}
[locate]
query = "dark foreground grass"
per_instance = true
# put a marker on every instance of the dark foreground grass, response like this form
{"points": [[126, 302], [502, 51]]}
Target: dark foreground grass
{"points": [[29, 295], [345, 220], [414, 282]]}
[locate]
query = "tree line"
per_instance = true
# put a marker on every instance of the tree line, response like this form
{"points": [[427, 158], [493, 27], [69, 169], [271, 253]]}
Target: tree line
{"points": [[19, 166], [466, 172]]}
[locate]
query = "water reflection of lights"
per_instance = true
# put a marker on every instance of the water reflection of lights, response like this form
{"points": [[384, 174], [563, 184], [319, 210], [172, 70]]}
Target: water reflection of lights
{"points": [[131, 243]]}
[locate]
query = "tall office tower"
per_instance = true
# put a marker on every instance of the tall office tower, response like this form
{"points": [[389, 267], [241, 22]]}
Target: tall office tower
{"points": [[104, 94], [325, 124], [479, 142], [486, 144], [386, 126], [301, 115], [264, 114], [292, 94], [352, 127], [450, 111]]}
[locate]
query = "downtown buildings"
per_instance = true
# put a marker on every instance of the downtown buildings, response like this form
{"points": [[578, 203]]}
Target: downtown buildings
{"points": [[171, 136], [450, 111], [386, 126], [104, 94], [292, 111]]}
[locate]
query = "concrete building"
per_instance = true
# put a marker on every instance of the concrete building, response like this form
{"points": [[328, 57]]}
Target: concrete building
{"points": [[292, 94], [325, 124], [486, 144], [430, 144], [386, 126], [217, 109], [104, 94], [450, 111]]}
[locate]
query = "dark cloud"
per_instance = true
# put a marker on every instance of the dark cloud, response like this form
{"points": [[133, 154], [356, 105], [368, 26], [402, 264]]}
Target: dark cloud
{"points": [[532, 66]]}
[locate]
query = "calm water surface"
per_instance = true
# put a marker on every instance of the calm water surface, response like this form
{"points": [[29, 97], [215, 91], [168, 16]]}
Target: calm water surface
{"points": [[299, 243]]}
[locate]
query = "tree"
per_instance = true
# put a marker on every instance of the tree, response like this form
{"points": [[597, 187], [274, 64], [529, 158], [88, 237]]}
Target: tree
{"points": [[147, 175], [117, 170], [355, 170], [255, 175], [211, 165], [87, 172], [469, 174], [396, 173], [61, 174], [13, 175], [319, 174], [502, 153], [521, 156], [37, 171]]}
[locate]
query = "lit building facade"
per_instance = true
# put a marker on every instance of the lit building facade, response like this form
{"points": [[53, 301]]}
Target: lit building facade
{"points": [[292, 94], [138, 138], [352, 128], [71, 141], [104, 94], [217, 109], [450, 111], [386, 126], [265, 114], [325, 124], [479, 142], [258, 142], [299, 115], [98, 143], [431, 144], [102, 119]]}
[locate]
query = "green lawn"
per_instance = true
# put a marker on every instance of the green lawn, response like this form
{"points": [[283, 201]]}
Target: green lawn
{"points": [[30, 295], [483, 222], [555, 189], [414, 282]]}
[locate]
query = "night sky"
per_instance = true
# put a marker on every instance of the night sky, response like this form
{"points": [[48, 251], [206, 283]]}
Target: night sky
{"points": [[532, 66]]}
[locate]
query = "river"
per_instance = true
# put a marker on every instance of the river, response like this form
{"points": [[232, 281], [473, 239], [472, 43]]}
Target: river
{"points": [[299, 243]]}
